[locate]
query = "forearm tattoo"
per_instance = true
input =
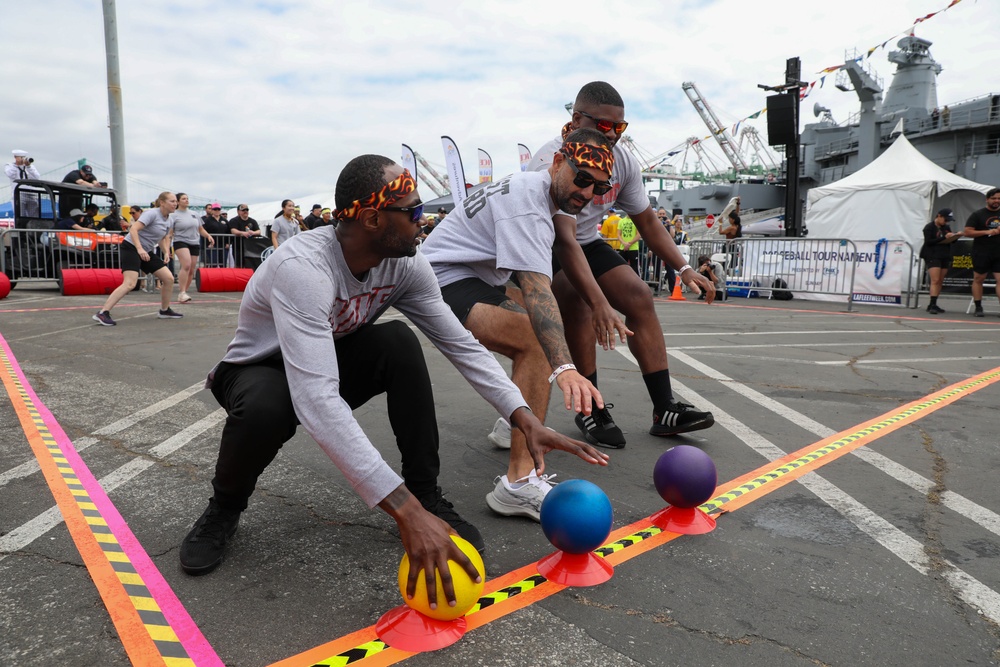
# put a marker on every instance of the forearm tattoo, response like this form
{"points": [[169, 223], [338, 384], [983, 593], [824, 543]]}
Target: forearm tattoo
{"points": [[543, 311]]}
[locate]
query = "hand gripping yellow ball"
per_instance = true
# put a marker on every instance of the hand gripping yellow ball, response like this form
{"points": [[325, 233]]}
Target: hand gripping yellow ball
{"points": [[467, 591]]}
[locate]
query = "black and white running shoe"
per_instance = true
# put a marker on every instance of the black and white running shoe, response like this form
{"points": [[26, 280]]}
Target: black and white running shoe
{"points": [[680, 418]]}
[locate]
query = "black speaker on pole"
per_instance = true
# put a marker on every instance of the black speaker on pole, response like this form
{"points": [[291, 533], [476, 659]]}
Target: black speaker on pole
{"points": [[781, 121]]}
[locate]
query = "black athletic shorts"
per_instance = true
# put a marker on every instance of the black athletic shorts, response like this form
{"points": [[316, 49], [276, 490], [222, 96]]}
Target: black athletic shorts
{"points": [[600, 256], [937, 263], [461, 296], [194, 248], [987, 262], [132, 262]]}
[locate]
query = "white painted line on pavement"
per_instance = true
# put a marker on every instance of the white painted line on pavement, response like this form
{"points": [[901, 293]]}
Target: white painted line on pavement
{"points": [[904, 547], [953, 501], [903, 361], [852, 343], [826, 332], [28, 532], [31, 467]]}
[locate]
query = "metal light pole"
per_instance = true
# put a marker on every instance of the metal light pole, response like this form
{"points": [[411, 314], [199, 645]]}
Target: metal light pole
{"points": [[115, 112]]}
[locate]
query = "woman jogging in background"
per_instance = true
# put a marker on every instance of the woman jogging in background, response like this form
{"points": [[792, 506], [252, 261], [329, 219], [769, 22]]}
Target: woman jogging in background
{"points": [[151, 229], [187, 227]]}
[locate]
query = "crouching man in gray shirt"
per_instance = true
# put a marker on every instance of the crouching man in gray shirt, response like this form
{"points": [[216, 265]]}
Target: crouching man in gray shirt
{"points": [[307, 351]]}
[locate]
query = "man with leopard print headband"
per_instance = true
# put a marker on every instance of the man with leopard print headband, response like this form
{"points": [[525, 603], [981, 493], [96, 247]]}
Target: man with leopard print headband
{"points": [[502, 232], [307, 351], [595, 281]]}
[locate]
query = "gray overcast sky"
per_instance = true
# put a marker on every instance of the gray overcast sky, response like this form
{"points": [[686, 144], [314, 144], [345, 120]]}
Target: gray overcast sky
{"points": [[255, 101]]}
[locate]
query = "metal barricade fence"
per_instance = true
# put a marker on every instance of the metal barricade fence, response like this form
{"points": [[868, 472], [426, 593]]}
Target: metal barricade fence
{"points": [[233, 251], [775, 266], [812, 266], [40, 255], [653, 271]]}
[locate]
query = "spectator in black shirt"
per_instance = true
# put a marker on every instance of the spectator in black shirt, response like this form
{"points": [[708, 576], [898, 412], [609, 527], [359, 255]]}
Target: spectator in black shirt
{"points": [[70, 200], [315, 217], [75, 220], [983, 227], [936, 253], [215, 257], [244, 227]]}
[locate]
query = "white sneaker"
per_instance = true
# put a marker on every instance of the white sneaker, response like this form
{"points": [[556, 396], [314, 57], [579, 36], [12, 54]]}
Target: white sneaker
{"points": [[500, 437], [183, 297], [526, 500]]}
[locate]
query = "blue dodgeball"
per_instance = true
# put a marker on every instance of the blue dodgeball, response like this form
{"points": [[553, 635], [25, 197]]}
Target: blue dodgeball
{"points": [[576, 516]]}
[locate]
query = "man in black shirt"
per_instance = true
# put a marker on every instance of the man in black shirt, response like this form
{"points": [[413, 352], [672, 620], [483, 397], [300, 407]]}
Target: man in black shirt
{"points": [[82, 176], [245, 228], [315, 217], [216, 256], [75, 220], [69, 200], [983, 227]]}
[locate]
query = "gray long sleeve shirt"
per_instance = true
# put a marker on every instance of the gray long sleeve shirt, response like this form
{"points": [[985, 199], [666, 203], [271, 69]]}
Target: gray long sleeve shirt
{"points": [[304, 297]]}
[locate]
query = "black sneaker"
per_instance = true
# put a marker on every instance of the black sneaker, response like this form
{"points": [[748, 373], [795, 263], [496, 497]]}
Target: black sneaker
{"points": [[435, 503], [104, 317], [979, 312], [599, 429], [202, 549], [680, 418], [934, 309], [169, 314]]}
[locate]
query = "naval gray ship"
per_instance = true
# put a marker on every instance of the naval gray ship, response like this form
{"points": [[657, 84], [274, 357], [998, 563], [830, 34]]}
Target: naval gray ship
{"points": [[962, 137]]}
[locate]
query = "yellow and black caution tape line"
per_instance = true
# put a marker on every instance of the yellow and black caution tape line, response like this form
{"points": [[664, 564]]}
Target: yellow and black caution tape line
{"points": [[718, 503], [508, 592]]}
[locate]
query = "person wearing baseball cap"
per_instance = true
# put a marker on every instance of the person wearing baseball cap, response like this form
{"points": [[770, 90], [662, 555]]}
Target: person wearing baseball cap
{"points": [[76, 220], [315, 217], [21, 168], [83, 176], [936, 253]]}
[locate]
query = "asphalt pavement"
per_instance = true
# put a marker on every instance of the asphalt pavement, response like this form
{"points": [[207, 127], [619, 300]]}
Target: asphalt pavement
{"points": [[884, 552]]}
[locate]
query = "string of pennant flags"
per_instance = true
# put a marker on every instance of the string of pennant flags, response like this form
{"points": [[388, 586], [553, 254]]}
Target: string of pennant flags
{"points": [[808, 88], [456, 175]]}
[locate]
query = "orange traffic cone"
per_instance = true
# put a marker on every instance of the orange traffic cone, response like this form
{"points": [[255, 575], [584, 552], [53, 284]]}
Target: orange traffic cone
{"points": [[677, 296]]}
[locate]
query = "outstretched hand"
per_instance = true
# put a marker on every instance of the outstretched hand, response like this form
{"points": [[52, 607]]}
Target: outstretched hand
{"points": [[541, 441]]}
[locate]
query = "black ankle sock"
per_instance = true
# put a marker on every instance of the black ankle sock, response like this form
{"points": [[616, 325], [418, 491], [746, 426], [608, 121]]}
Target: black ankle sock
{"points": [[658, 386], [979, 304], [933, 301]]}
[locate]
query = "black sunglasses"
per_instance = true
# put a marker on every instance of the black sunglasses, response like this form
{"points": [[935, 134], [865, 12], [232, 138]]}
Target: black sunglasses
{"points": [[605, 125], [414, 211], [584, 180]]}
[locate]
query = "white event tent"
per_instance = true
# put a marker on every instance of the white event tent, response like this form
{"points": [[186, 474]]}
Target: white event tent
{"points": [[891, 198]]}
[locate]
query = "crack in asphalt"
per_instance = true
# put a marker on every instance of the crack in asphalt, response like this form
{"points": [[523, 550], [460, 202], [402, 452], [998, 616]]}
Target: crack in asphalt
{"points": [[670, 621]]}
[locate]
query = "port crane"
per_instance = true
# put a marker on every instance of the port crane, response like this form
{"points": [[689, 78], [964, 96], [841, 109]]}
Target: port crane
{"points": [[721, 134], [750, 141], [436, 182]]}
